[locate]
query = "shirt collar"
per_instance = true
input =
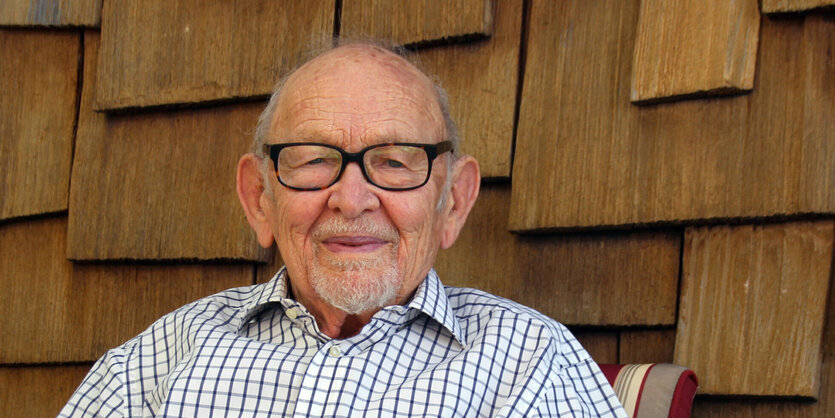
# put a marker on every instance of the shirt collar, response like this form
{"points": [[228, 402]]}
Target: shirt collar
{"points": [[274, 291], [430, 298]]}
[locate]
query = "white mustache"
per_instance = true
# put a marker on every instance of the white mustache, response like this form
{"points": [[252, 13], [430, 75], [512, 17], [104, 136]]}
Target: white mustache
{"points": [[363, 225]]}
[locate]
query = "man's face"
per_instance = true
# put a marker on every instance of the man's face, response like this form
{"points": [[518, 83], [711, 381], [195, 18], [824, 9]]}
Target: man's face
{"points": [[353, 245]]}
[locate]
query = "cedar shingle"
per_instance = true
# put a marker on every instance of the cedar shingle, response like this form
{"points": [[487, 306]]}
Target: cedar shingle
{"points": [[694, 48], [753, 300], [50, 13], [57, 311], [646, 346], [585, 157], [38, 391], [158, 52], [780, 6], [481, 79], [38, 76], [579, 279], [159, 185], [601, 345], [415, 21]]}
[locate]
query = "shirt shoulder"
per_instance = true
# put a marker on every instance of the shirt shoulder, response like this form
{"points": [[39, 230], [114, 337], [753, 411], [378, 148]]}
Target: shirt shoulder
{"points": [[122, 380], [223, 309], [560, 377], [480, 312], [469, 304]]}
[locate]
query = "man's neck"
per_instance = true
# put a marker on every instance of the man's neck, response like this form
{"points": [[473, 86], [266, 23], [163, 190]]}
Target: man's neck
{"points": [[333, 322], [344, 327]]}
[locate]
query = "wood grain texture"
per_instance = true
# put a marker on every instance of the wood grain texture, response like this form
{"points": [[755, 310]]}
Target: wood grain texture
{"points": [[709, 407], [416, 21], [50, 13], [572, 106], [578, 279], [646, 346], [694, 48], [155, 52], [38, 76], [585, 157], [705, 407], [752, 307], [602, 345], [159, 185], [782, 6], [483, 101], [57, 311], [38, 391]]}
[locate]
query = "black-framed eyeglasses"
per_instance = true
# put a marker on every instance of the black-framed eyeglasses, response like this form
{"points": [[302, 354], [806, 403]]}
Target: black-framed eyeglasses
{"points": [[390, 166]]}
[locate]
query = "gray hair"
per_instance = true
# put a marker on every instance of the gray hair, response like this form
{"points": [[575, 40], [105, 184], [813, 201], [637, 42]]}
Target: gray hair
{"points": [[262, 129]]}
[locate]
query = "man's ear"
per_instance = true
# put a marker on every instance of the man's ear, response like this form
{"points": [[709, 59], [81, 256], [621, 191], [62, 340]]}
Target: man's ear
{"points": [[466, 181], [251, 192]]}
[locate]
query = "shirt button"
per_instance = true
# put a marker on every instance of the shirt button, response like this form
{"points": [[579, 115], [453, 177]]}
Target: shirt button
{"points": [[292, 313], [334, 351]]}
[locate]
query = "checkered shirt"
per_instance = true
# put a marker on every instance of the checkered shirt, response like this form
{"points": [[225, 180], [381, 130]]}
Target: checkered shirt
{"points": [[253, 351]]}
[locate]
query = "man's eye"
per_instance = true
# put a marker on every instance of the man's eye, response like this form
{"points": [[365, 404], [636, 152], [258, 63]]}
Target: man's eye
{"points": [[394, 164], [315, 161]]}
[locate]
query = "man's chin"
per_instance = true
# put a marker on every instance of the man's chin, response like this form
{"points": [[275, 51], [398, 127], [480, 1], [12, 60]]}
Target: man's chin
{"points": [[355, 287], [335, 264]]}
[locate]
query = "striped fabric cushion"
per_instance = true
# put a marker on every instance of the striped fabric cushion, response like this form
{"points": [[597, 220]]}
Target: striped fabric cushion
{"points": [[654, 389]]}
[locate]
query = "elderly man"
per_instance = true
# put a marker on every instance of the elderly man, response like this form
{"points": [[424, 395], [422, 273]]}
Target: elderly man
{"points": [[356, 177]]}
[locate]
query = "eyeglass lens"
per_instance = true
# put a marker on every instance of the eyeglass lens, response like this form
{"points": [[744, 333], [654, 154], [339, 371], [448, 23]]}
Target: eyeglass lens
{"points": [[390, 166]]}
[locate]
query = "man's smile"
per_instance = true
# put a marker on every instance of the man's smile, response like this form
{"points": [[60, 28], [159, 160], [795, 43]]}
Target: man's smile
{"points": [[353, 243]]}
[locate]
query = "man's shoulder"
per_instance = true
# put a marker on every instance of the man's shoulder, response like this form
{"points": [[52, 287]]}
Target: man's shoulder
{"points": [[470, 304], [223, 309], [483, 315], [231, 300], [468, 301]]}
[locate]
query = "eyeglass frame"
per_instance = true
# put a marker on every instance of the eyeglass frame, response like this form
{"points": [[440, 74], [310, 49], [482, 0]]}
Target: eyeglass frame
{"points": [[432, 152]]}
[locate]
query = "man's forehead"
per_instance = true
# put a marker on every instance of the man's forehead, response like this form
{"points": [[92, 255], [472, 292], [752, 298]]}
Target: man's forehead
{"points": [[361, 75], [366, 56]]}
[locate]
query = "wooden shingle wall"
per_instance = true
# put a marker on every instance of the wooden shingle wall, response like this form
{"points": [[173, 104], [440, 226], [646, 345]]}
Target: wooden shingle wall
{"points": [[143, 181], [586, 158], [773, 280], [694, 47], [482, 102], [696, 226], [158, 52], [418, 21], [783, 6], [56, 13], [38, 78]]}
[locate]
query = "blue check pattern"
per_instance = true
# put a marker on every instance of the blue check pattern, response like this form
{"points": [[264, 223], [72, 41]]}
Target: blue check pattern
{"points": [[253, 351]]}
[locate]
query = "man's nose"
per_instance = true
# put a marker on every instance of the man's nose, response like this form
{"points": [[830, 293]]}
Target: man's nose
{"points": [[353, 194]]}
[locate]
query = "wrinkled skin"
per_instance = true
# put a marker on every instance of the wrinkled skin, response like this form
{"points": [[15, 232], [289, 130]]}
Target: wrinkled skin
{"points": [[353, 240]]}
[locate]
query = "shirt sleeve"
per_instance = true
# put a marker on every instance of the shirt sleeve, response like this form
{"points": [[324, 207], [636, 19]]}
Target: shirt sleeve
{"points": [[578, 387], [102, 392]]}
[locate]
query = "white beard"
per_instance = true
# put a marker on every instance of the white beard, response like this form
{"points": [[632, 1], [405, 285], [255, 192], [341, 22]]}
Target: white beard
{"points": [[355, 285]]}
